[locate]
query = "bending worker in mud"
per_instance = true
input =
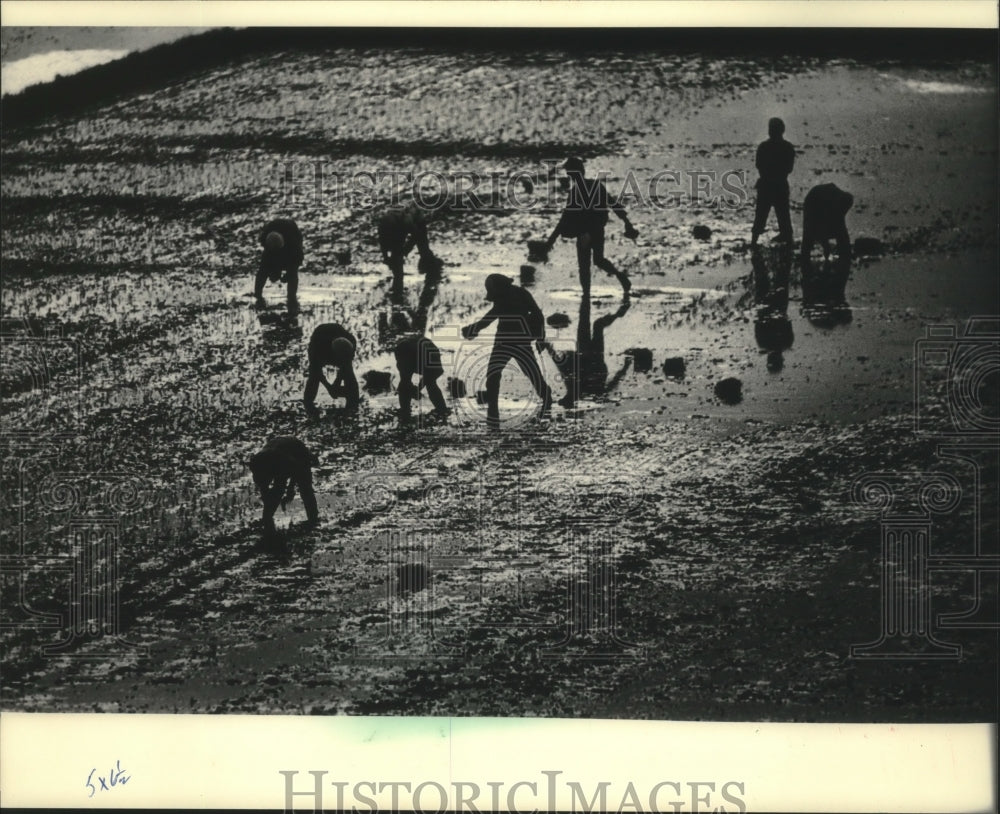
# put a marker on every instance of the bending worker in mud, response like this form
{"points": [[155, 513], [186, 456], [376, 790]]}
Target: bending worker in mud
{"points": [[282, 244], [417, 354], [519, 321], [332, 344], [824, 213], [584, 218], [278, 468], [775, 160], [400, 228]]}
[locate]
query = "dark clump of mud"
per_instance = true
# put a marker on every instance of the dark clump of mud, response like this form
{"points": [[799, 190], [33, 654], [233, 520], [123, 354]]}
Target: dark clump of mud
{"points": [[729, 390], [377, 381], [868, 247], [538, 251], [642, 359], [674, 367], [430, 265]]}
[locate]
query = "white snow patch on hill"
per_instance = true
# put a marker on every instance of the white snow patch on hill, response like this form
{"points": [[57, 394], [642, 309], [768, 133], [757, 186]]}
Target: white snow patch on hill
{"points": [[22, 73]]}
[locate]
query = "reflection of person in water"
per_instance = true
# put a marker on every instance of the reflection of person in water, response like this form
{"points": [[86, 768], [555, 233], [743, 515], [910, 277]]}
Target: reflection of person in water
{"points": [[278, 468], [418, 355], [824, 298], [427, 294], [519, 321], [332, 344], [280, 328], [585, 370], [400, 228], [403, 320], [282, 244], [824, 213], [772, 328], [775, 160], [584, 218]]}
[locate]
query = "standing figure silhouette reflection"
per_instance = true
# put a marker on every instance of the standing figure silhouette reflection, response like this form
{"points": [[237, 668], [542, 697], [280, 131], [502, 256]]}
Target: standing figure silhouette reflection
{"points": [[400, 318], [585, 370], [771, 327]]}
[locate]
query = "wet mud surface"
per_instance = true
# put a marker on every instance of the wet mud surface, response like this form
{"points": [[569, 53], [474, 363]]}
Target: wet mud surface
{"points": [[651, 552]]}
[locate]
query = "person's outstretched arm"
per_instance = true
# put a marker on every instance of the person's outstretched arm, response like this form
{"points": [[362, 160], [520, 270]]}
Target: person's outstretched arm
{"points": [[317, 372], [551, 241], [274, 495], [349, 385], [560, 223], [619, 210], [353, 390], [472, 331], [289, 495]]}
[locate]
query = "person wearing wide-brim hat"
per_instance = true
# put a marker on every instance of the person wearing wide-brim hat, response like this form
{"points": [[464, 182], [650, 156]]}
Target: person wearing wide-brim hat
{"points": [[332, 344], [282, 253], [282, 465], [519, 322], [584, 218]]}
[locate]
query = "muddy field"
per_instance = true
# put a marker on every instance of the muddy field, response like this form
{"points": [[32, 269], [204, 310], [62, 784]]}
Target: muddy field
{"points": [[651, 553]]}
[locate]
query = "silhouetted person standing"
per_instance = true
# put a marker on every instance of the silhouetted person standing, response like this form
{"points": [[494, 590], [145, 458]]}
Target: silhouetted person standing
{"points": [[332, 344], [584, 218], [400, 228], [418, 355], [282, 465], [519, 321], [775, 159], [282, 244], [824, 217]]}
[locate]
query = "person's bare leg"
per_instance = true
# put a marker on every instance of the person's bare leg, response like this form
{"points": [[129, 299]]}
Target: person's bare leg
{"points": [[583, 246], [607, 266], [434, 392], [529, 366], [494, 370]]}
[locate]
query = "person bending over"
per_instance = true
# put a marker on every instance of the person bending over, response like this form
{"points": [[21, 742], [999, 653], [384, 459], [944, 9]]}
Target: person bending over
{"points": [[282, 465], [332, 344]]}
